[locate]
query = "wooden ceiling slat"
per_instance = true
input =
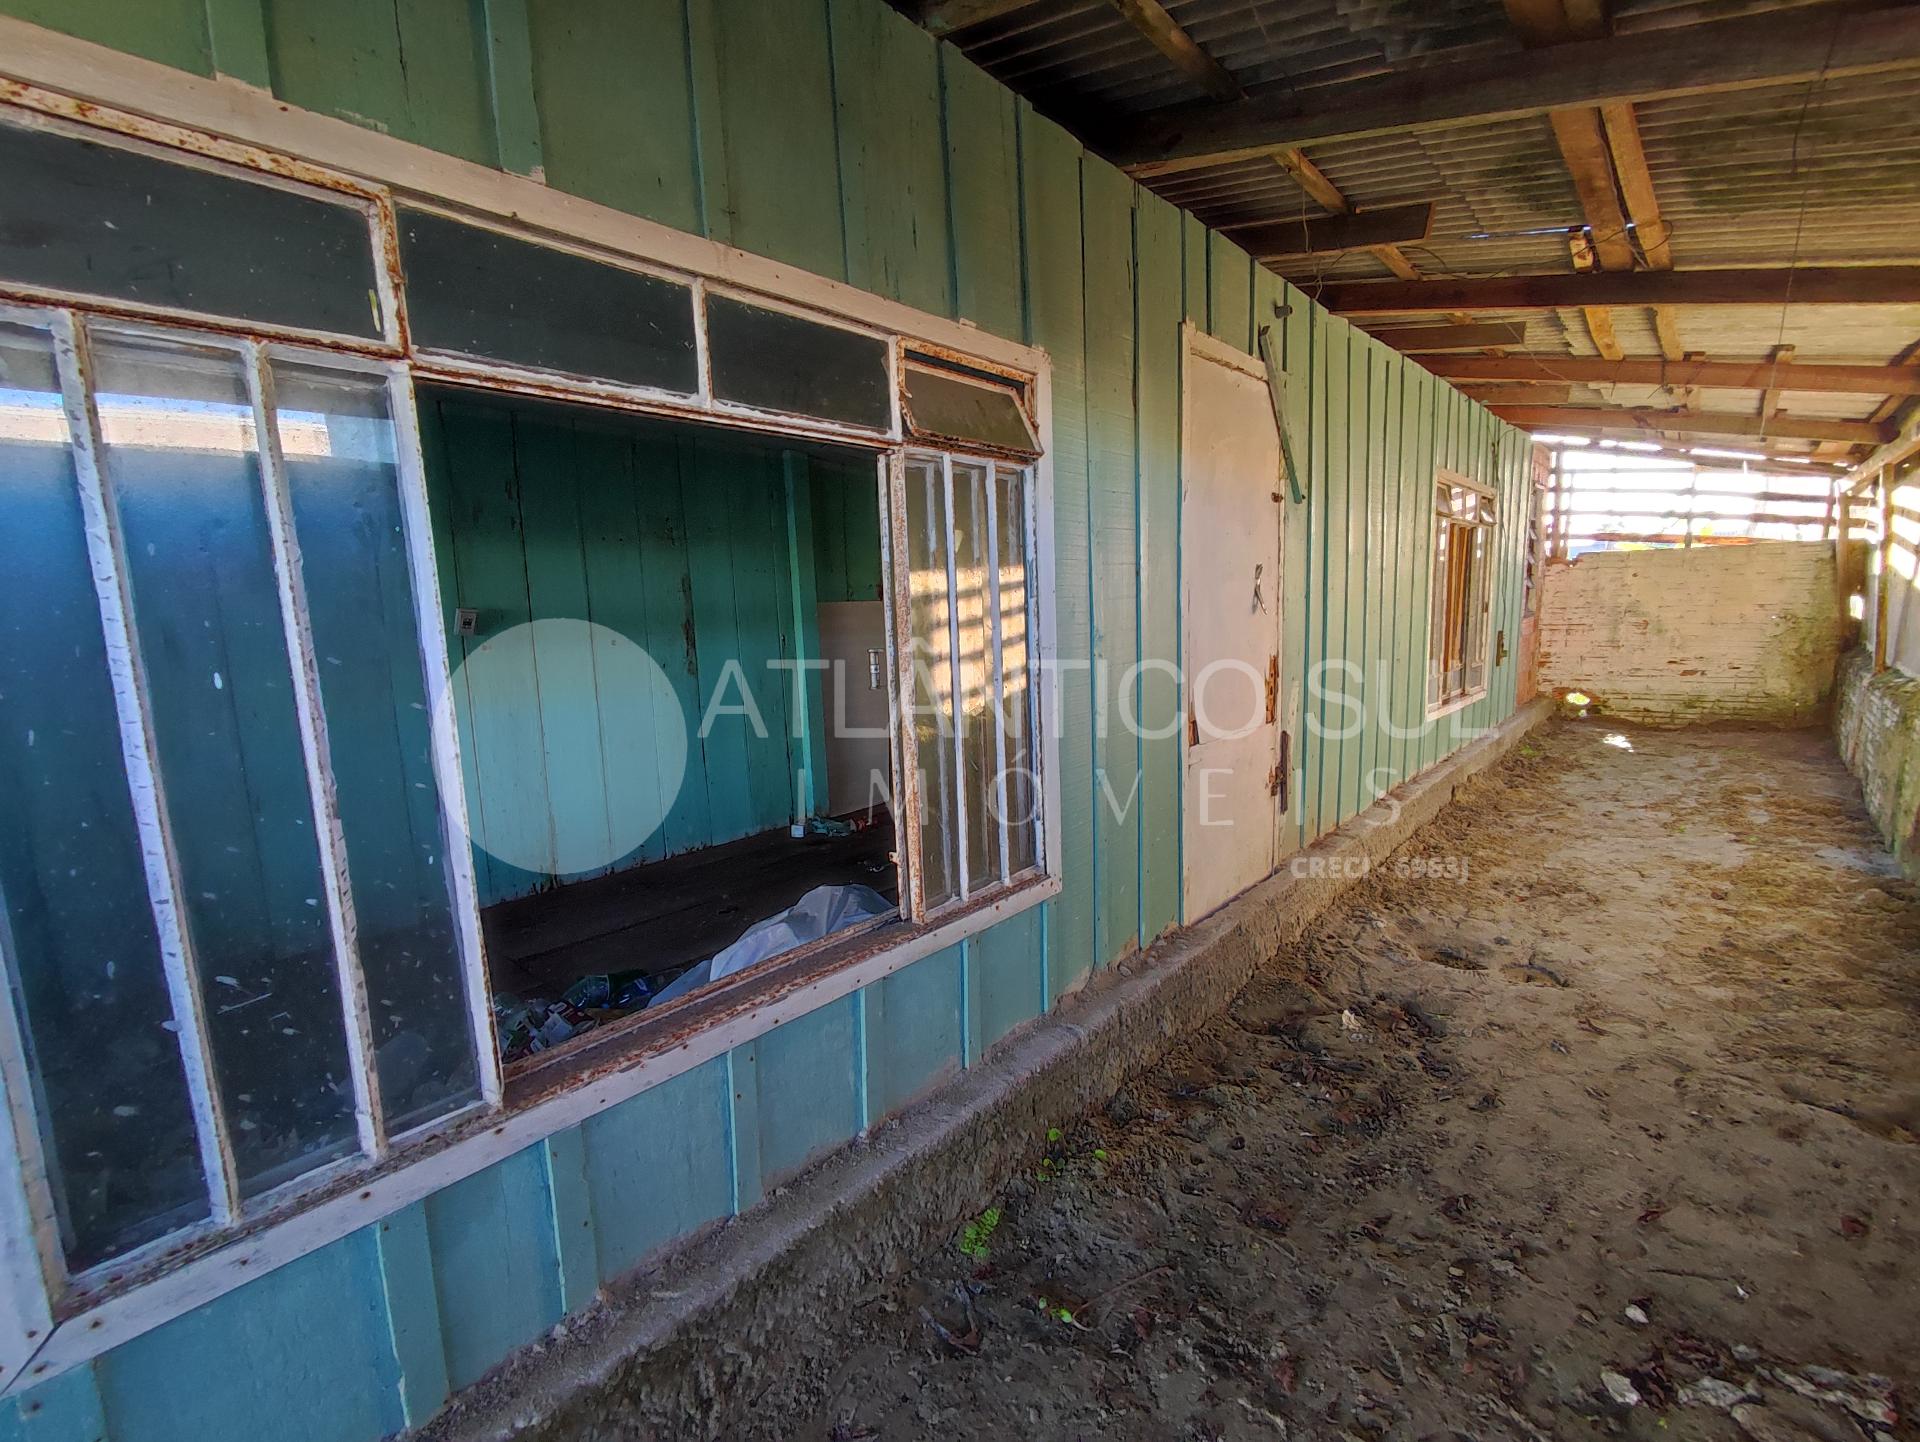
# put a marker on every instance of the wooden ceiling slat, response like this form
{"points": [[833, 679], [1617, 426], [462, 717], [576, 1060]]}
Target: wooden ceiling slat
{"points": [[1804, 285], [1863, 380]]}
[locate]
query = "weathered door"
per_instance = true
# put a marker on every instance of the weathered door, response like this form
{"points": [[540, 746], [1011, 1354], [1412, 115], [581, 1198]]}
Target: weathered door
{"points": [[853, 641], [1230, 522]]}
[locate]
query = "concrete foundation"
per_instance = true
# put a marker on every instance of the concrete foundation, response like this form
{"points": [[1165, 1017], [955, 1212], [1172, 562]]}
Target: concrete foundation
{"points": [[739, 1321]]}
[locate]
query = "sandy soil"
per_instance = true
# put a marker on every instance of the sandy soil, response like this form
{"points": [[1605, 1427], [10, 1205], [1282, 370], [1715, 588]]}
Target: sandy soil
{"points": [[1614, 1136]]}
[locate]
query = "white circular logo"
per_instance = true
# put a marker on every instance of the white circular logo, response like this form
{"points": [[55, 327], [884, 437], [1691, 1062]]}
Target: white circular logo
{"points": [[574, 745]]}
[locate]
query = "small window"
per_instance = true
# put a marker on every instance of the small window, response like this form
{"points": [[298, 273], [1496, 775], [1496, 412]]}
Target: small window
{"points": [[945, 409], [84, 218], [473, 291], [1461, 602], [773, 361], [970, 704]]}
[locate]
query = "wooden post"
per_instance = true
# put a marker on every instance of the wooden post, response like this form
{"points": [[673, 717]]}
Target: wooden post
{"points": [[1886, 570]]}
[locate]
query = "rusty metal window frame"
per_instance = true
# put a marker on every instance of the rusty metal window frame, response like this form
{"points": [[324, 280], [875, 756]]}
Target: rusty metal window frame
{"points": [[72, 331], [966, 887], [51, 1320]]}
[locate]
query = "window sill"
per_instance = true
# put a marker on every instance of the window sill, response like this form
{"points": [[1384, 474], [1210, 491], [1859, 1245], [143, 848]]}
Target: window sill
{"points": [[1457, 703], [134, 1295]]}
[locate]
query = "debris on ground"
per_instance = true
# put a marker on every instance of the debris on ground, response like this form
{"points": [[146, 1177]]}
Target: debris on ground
{"points": [[1560, 1146]]}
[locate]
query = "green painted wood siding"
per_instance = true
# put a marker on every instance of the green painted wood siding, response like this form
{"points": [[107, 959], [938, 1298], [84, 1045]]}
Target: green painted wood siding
{"points": [[833, 135]]}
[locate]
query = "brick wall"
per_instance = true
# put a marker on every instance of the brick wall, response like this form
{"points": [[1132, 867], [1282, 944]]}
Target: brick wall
{"points": [[1736, 632]]}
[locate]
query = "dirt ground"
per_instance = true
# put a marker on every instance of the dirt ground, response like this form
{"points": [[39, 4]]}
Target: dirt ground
{"points": [[1614, 1134]]}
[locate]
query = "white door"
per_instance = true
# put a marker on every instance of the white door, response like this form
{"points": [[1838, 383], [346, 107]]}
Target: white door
{"points": [[1230, 519]]}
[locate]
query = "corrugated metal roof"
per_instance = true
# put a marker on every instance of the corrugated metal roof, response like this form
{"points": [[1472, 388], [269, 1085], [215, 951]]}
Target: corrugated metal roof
{"points": [[1809, 174]]}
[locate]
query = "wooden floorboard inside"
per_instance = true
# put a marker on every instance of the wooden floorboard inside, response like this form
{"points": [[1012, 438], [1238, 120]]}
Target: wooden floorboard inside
{"points": [[666, 915]]}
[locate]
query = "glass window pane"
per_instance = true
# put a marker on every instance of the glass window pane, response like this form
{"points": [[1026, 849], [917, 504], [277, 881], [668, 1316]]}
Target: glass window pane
{"points": [[951, 409], [774, 361], [1022, 803], [75, 919], [185, 468], [337, 436], [477, 292], [979, 740], [932, 695], [96, 219]]}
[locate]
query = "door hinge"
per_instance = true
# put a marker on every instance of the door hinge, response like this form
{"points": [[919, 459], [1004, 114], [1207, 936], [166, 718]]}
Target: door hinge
{"points": [[1273, 688], [1284, 771]]}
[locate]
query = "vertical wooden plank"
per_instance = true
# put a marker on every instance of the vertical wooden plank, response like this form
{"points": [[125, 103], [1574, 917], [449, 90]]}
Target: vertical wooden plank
{"points": [[564, 681], [763, 82], [616, 589], [65, 1408], [1421, 512], [1113, 534], [709, 495], [1006, 985], [1056, 297], [412, 69], [1379, 655], [614, 100], [893, 173], [763, 632], [743, 1125], [659, 1165], [413, 1311], [1195, 264], [1406, 592], [1335, 717], [806, 694], [1298, 594], [913, 1025], [1359, 458], [807, 1075], [1314, 743], [509, 65], [501, 743], [168, 32], [237, 40], [667, 603], [575, 1256], [1230, 281], [983, 186], [1157, 697], [307, 1340], [494, 1265]]}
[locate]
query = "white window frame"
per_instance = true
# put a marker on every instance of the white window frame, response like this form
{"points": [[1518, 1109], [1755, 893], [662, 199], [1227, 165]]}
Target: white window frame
{"points": [[50, 1322], [1488, 522]]}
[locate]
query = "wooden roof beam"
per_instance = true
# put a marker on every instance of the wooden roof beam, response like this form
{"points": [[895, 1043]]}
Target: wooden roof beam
{"points": [[944, 17], [1777, 48], [1167, 36], [1328, 196], [1642, 420], [1723, 375], [1427, 339], [1804, 285], [1329, 234]]}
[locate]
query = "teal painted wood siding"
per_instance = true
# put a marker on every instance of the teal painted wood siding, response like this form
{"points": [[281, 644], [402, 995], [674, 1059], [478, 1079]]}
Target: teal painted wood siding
{"points": [[675, 541], [832, 135]]}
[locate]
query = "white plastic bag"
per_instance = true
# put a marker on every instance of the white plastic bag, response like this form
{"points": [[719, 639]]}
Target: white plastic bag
{"points": [[821, 912]]}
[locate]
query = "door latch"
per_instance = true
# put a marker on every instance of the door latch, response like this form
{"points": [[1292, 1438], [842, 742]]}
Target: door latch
{"points": [[876, 677]]}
